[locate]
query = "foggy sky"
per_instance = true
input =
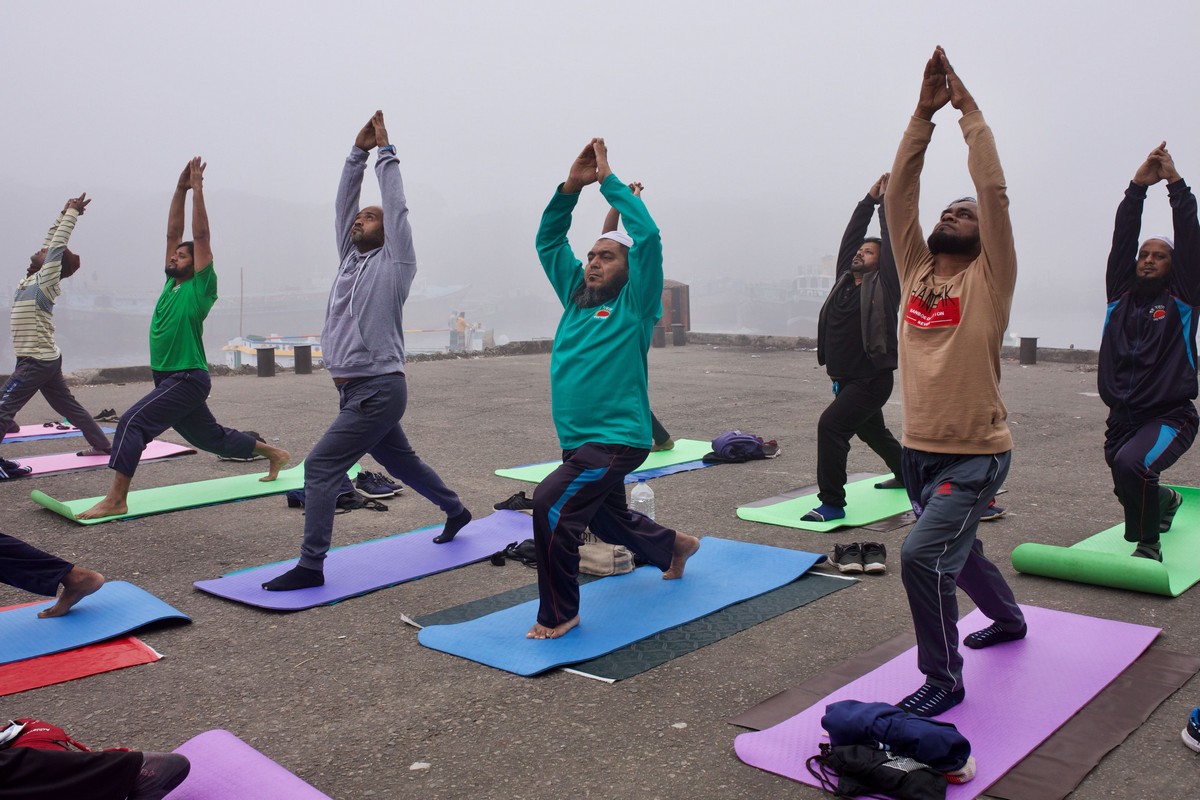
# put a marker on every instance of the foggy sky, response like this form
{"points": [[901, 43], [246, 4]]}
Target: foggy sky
{"points": [[756, 127]]}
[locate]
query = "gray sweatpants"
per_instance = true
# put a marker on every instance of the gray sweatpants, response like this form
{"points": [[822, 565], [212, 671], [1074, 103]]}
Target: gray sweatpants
{"points": [[949, 493], [368, 421], [32, 375]]}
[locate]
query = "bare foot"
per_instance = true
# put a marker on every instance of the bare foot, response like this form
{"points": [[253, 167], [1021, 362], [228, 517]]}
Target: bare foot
{"points": [[78, 584], [105, 508], [540, 631], [277, 459], [685, 547]]}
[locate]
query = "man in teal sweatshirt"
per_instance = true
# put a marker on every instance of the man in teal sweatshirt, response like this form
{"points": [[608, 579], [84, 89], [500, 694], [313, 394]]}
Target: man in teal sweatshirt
{"points": [[598, 388]]}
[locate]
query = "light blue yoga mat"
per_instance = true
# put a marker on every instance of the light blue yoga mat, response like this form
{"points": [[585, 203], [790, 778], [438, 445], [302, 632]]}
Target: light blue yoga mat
{"points": [[622, 609], [116, 609]]}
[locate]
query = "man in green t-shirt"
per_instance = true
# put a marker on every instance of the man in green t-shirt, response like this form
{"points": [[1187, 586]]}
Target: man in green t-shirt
{"points": [[599, 398], [181, 379]]}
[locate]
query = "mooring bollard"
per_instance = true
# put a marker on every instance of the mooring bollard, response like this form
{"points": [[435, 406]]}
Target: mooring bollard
{"points": [[659, 337], [266, 361], [1028, 349], [303, 358], [678, 335]]}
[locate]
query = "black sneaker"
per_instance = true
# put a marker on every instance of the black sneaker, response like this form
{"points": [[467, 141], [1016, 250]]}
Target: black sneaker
{"points": [[847, 557], [874, 556], [373, 485], [517, 502], [1168, 503], [1191, 733], [931, 701], [387, 480], [10, 470]]}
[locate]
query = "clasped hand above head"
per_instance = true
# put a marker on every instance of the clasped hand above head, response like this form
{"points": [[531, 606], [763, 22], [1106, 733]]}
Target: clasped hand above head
{"points": [[1158, 166], [940, 85], [590, 166]]}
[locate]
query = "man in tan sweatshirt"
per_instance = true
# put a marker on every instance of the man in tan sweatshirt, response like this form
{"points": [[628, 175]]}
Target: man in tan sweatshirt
{"points": [[956, 293]]}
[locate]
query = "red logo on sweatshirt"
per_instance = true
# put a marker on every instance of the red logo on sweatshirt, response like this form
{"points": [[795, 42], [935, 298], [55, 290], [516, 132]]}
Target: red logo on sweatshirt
{"points": [[603, 313], [944, 488], [932, 308], [1157, 313]]}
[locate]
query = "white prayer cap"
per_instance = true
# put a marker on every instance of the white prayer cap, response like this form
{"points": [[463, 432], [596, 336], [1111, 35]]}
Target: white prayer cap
{"points": [[618, 237], [1167, 240]]}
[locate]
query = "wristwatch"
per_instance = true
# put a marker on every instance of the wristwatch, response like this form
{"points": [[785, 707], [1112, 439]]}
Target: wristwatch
{"points": [[388, 148]]}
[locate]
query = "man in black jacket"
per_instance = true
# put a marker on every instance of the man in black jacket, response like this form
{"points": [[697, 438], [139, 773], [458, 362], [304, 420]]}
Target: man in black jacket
{"points": [[1147, 374], [856, 342]]}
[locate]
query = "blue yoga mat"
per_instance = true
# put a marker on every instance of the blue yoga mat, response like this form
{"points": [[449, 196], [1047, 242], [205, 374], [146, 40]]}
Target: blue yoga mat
{"points": [[357, 569], [622, 609], [116, 609]]}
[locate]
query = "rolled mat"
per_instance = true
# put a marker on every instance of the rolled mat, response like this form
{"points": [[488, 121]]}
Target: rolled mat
{"points": [[622, 609], [641, 656], [684, 457], [1018, 693], [115, 609], [59, 463], [1105, 560], [33, 433], [162, 499], [864, 505], [226, 768], [69, 665], [357, 569]]}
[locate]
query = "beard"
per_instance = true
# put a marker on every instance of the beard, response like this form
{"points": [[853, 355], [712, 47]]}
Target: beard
{"points": [[940, 242], [178, 273], [587, 297], [1145, 289]]}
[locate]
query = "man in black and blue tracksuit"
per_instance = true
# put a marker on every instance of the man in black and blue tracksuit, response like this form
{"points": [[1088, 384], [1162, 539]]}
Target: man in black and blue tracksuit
{"points": [[1147, 375]]}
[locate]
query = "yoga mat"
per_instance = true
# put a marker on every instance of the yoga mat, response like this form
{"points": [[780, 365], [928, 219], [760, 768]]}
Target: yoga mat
{"points": [[69, 462], [1018, 693], [144, 502], [1105, 560], [638, 657], [69, 665], [864, 505], [226, 768], [685, 456], [32, 433], [357, 569], [116, 609], [625, 608]]}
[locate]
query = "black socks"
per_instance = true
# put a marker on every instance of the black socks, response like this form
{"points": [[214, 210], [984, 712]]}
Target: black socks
{"points": [[297, 577], [453, 526]]}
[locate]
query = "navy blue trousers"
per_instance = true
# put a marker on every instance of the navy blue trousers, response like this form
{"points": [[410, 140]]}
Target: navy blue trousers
{"points": [[179, 401], [1137, 453], [588, 491], [24, 566], [949, 493], [368, 422]]}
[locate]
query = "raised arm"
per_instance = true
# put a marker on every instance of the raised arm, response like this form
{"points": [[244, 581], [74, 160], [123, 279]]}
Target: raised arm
{"points": [[613, 218], [561, 266], [1122, 256], [645, 257], [1185, 259], [397, 231], [201, 240], [350, 187], [56, 243], [175, 214], [856, 229], [888, 276]]}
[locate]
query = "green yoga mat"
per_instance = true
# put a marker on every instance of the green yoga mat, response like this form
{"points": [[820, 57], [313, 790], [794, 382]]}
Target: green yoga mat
{"points": [[864, 504], [144, 502], [1105, 560], [685, 450]]}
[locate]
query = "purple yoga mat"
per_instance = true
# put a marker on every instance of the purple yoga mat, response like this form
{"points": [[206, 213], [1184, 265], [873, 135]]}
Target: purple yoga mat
{"points": [[226, 768], [69, 462], [1018, 694], [361, 568]]}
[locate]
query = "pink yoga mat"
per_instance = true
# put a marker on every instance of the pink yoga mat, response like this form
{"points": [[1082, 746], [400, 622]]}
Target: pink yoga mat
{"points": [[69, 462], [226, 768], [1017, 694]]}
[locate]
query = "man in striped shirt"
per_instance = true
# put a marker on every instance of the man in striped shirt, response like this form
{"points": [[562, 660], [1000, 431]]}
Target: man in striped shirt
{"points": [[39, 361]]}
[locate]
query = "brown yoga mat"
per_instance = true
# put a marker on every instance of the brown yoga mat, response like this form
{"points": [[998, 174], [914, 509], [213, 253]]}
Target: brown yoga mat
{"points": [[1059, 764]]}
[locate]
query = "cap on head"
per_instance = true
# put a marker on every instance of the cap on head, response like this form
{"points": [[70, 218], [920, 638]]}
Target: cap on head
{"points": [[1167, 240], [618, 237], [70, 263]]}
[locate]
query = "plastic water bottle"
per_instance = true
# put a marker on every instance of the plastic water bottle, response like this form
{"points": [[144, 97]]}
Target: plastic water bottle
{"points": [[642, 499]]}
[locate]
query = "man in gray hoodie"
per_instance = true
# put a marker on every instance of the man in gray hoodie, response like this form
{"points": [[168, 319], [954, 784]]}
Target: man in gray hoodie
{"points": [[363, 346]]}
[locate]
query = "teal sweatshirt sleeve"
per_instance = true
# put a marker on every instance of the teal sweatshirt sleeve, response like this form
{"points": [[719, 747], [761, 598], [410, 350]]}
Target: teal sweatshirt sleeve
{"points": [[646, 256], [562, 267]]}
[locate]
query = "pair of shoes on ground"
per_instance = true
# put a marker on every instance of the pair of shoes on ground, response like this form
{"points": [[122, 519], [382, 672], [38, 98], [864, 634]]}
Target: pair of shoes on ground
{"points": [[107, 415], [10, 470], [1191, 732], [376, 485], [860, 557], [516, 502], [992, 513]]}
